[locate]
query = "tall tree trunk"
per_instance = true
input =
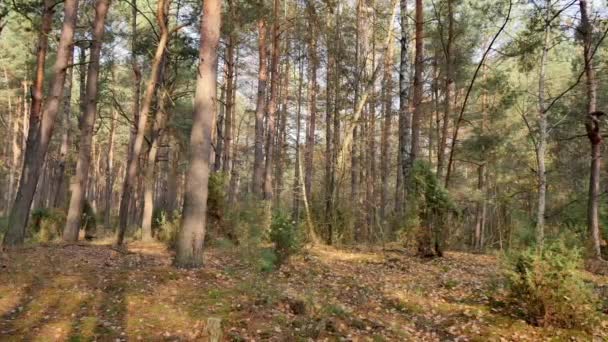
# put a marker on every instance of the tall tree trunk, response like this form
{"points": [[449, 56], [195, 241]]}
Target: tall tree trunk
{"points": [[61, 193], [158, 128], [405, 116], [192, 233], [229, 114], [41, 129], [15, 153], [448, 90], [542, 132], [592, 126], [282, 131], [272, 104], [418, 83], [329, 111], [312, 99], [297, 187], [149, 179], [233, 185], [219, 131], [70, 233], [258, 162], [480, 216], [132, 164], [110, 172], [386, 132]]}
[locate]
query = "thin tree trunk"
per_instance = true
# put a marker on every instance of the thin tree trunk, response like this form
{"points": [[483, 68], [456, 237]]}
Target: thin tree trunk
{"points": [[149, 179], [312, 100], [282, 132], [192, 233], [297, 187], [61, 193], [258, 162], [418, 83], [13, 127], [386, 132], [110, 172], [132, 164], [70, 233], [542, 133], [405, 116], [449, 90], [592, 126], [329, 111], [219, 131], [41, 128], [158, 128], [272, 104], [229, 114], [480, 216]]}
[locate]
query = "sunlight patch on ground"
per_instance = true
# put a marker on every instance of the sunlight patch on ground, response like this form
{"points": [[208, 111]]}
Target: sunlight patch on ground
{"points": [[331, 254]]}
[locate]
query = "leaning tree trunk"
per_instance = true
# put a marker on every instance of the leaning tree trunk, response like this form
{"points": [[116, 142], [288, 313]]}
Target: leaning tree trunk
{"points": [[592, 126], [133, 162], [192, 233], [41, 128], [70, 232], [157, 132]]}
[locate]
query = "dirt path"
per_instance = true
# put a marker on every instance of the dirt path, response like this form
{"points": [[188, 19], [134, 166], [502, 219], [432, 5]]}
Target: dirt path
{"points": [[92, 292]]}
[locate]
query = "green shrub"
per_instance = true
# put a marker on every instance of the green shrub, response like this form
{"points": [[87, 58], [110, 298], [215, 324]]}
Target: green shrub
{"points": [[428, 206], [47, 224], [89, 220], [167, 227], [284, 235], [548, 287]]}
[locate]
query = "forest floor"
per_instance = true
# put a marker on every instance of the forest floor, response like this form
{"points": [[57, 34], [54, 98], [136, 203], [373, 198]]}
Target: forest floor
{"points": [[92, 292]]}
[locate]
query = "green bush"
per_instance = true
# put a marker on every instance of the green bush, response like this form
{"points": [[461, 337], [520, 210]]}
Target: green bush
{"points": [[89, 220], [548, 287], [284, 235], [428, 206], [47, 224], [167, 227]]}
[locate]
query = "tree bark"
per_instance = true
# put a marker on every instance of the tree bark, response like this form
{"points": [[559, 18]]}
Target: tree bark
{"points": [[149, 179], [272, 104], [41, 128], [592, 126], [405, 116], [312, 98], [229, 114], [70, 233], [418, 83], [258, 162], [297, 187], [132, 164], [158, 128], [110, 172], [449, 90], [542, 132], [61, 193], [386, 132], [192, 233]]}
